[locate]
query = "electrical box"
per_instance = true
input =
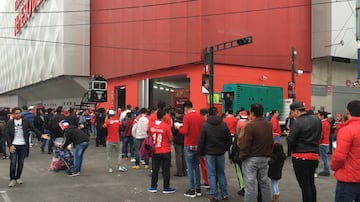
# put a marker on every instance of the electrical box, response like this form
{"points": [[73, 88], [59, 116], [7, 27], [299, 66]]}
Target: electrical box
{"points": [[98, 89], [237, 96]]}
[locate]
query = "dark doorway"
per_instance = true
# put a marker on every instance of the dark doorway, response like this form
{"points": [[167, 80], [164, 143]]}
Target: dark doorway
{"points": [[121, 92]]}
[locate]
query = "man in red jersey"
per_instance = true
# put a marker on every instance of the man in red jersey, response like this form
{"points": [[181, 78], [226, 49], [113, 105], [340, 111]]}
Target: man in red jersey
{"points": [[191, 129], [162, 138], [113, 141], [153, 116]]}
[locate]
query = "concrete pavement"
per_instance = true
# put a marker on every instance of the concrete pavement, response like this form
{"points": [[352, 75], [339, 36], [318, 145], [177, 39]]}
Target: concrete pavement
{"points": [[96, 184]]}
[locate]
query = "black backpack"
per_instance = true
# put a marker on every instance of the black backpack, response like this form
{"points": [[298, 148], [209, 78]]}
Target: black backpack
{"points": [[235, 151]]}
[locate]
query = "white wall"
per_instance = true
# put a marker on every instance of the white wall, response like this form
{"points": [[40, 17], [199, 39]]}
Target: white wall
{"points": [[333, 22], [42, 50], [333, 74]]}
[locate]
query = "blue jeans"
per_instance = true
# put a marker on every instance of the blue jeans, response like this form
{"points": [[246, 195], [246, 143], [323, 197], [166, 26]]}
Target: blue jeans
{"points": [[78, 157], [192, 162], [44, 141], [17, 161], [323, 150], [215, 166], [347, 192], [126, 142], [137, 145], [2, 146], [275, 187], [255, 171]]}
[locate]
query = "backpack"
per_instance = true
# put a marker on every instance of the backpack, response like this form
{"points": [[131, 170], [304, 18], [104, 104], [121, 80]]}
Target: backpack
{"points": [[235, 151]]}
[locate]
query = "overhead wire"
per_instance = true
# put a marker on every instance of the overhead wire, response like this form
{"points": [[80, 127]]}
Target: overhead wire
{"points": [[147, 20], [181, 17]]}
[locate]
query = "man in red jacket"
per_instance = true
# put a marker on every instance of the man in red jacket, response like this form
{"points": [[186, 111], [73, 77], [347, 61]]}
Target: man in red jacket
{"points": [[345, 160], [191, 129]]}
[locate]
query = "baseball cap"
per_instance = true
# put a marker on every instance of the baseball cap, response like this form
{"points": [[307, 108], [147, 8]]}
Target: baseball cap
{"points": [[111, 112], [297, 105], [63, 124], [243, 115], [30, 107]]}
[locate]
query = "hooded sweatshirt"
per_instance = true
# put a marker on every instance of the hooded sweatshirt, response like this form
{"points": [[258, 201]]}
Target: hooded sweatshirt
{"points": [[215, 137]]}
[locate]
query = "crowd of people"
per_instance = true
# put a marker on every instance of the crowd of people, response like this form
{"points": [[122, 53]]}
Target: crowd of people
{"points": [[202, 140]]}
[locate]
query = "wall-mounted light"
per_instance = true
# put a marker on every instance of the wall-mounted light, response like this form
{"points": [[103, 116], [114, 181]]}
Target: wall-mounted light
{"points": [[263, 77], [161, 88], [155, 87]]}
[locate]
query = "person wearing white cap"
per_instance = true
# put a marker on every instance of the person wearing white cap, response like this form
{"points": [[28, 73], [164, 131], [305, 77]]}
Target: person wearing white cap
{"points": [[113, 141]]}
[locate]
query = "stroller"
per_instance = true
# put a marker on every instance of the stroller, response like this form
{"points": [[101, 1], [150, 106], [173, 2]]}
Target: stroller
{"points": [[61, 159]]}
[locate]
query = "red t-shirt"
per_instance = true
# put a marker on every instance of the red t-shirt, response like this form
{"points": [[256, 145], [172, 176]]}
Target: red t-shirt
{"points": [[153, 117], [191, 128], [231, 123], [113, 125], [325, 133], [162, 136]]}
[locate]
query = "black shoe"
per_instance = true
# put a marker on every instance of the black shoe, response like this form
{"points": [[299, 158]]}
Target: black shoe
{"points": [[190, 193], [198, 192], [324, 173], [225, 198], [241, 192]]}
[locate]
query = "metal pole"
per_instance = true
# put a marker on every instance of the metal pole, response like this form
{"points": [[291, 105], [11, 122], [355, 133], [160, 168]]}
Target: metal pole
{"points": [[293, 55], [211, 76]]}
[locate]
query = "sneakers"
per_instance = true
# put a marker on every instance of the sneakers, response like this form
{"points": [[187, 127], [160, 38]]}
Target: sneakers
{"points": [[74, 174], [12, 183], [190, 193], [122, 169], [168, 190], [152, 189], [323, 173], [225, 198], [241, 192], [142, 162], [110, 170], [135, 167], [205, 186], [147, 167], [315, 175], [198, 192], [19, 181], [132, 160]]}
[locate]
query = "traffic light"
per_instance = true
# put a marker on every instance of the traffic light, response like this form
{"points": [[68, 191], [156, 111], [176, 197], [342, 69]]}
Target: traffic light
{"points": [[244, 41]]}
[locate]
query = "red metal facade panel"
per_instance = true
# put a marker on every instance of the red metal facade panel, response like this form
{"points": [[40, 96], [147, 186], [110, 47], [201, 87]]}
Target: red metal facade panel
{"points": [[139, 36]]}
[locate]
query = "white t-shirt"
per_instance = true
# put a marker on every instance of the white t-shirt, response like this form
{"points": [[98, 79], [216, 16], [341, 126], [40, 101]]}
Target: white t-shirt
{"points": [[19, 133]]}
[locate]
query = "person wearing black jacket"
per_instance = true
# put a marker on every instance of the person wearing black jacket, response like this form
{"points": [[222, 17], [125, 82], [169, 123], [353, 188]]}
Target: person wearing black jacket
{"points": [[80, 140], [17, 138], [215, 140], [179, 145], [49, 114], [39, 123], [304, 140]]}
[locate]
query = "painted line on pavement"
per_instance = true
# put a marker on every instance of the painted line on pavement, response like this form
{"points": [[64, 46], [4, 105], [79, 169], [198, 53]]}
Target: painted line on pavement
{"points": [[5, 196]]}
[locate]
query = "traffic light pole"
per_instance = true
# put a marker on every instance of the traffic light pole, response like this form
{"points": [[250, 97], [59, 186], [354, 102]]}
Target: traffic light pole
{"points": [[209, 59]]}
